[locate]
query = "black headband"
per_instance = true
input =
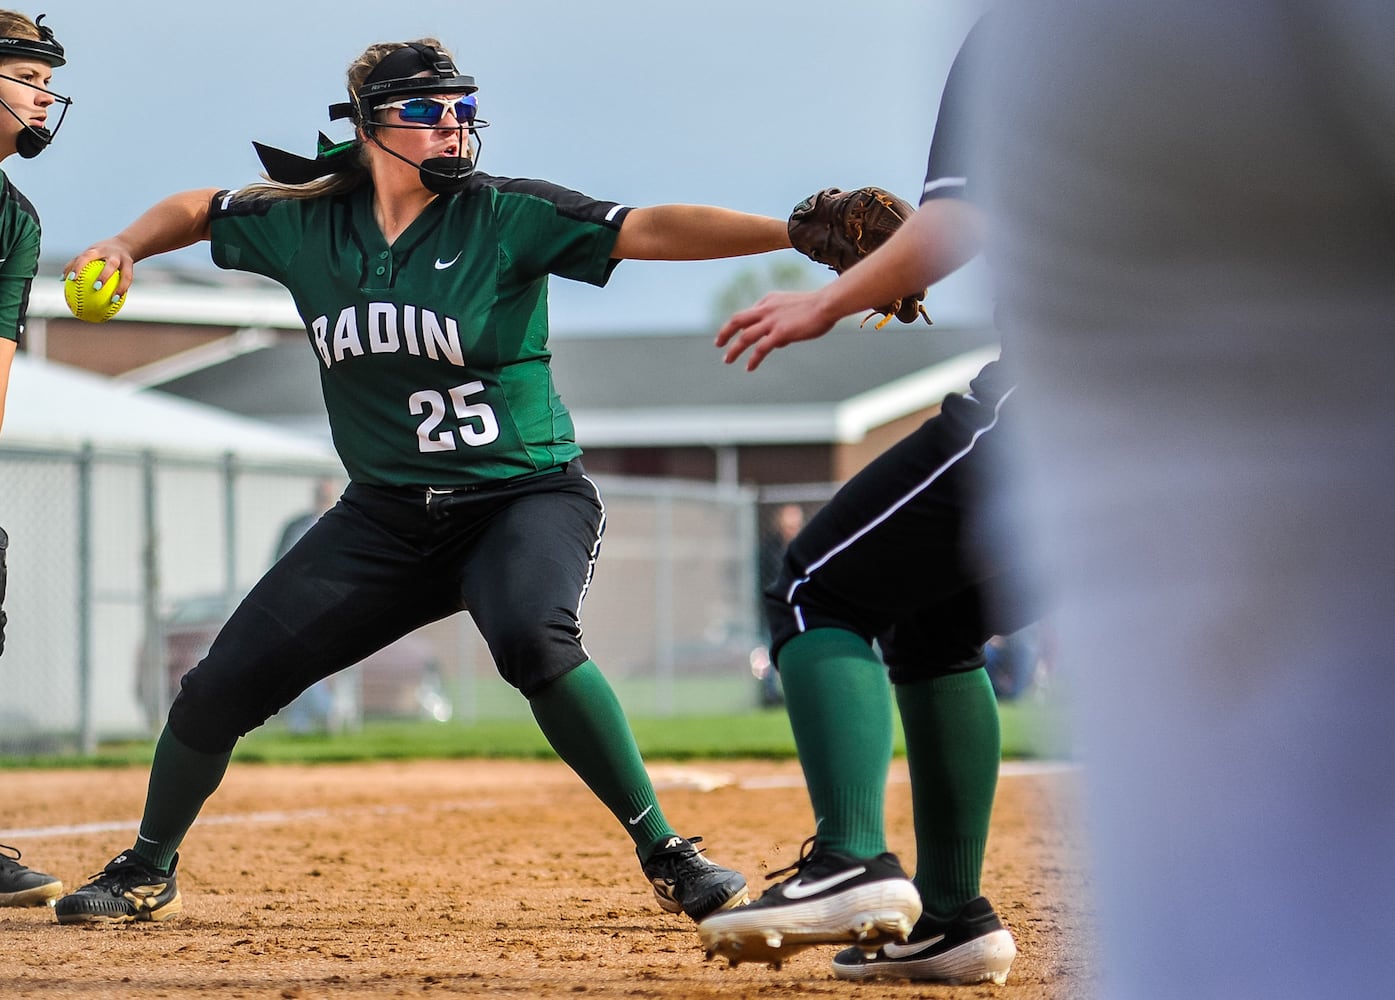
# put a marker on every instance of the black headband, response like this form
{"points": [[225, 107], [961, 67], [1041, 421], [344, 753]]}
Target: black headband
{"points": [[396, 76], [411, 59], [44, 48]]}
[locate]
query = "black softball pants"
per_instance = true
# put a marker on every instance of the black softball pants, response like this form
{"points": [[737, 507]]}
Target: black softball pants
{"points": [[914, 551], [385, 561]]}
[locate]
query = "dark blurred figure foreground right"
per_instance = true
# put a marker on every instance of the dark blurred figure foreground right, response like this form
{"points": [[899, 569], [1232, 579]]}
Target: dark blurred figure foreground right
{"points": [[1194, 219]]}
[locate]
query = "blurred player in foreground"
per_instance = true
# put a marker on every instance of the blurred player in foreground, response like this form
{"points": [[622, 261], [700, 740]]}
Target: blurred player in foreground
{"points": [[1193, 208], [28, 55], [423, 287], [904, 554]]}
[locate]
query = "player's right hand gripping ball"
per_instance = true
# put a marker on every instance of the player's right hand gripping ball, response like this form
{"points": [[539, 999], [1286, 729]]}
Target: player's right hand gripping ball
{"points": [[839, 228], [93, 305]]}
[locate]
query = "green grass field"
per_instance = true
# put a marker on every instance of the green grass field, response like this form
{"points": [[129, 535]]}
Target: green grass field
{"points": [[1031, 729]]}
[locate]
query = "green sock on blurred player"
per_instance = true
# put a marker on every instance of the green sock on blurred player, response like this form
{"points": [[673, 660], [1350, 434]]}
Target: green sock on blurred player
{"points": [[845, 742], [953, 746]]}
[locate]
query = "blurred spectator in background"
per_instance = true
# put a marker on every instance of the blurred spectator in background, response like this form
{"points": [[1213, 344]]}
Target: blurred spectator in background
{"points": [[1014, 661], [781, 526], [784, 524], [1194, 236], [326, 496]]}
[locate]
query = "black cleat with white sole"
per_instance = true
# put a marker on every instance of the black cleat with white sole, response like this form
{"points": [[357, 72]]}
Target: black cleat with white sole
{"points": [[831, 899], [971, 947]]}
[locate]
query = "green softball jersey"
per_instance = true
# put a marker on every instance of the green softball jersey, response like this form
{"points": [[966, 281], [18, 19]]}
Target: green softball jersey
{"points": [[433, 351], [19, 258]]}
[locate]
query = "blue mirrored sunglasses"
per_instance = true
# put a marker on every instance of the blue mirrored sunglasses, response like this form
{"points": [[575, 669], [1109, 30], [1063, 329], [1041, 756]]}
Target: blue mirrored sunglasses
{"points": [[430, 110]]}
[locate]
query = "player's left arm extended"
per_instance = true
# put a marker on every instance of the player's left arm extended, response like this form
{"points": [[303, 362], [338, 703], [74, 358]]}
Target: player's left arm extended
{"points": [[696, 232]]}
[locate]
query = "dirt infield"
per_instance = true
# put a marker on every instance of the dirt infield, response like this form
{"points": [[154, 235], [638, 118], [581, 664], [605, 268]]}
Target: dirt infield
{"points": [[474, 878]]}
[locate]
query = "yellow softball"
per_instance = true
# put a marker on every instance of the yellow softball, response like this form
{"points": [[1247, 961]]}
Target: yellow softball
{"points": [[94, 305]]}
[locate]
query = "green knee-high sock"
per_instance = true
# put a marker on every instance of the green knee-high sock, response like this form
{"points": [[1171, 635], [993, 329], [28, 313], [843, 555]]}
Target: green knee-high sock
{"points": [[839, 704], [181, 778], [953, 748], [582, 719]]}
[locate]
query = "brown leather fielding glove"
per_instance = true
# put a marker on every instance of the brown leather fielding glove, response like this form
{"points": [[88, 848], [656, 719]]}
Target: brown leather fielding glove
{"points": [[838, 228]]}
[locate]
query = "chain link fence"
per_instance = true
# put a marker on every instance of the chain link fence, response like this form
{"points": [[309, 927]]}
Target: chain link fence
{"points": [[123, 565]]}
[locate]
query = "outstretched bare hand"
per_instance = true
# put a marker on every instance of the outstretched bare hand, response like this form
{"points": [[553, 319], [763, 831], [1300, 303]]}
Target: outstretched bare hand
{"points": [[778, 319]]}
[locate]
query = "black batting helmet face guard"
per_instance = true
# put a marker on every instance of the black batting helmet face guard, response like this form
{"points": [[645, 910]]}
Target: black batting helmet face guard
{"points": [[34, 139], [415, 70]]}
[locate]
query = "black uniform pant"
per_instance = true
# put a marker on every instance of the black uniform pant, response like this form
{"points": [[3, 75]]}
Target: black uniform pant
{"points": [[913, 551], [4, 579], [384, 561]]}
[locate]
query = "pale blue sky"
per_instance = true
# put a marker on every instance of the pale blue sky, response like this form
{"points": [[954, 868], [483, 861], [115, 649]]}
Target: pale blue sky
{"points": [[751, 104]]}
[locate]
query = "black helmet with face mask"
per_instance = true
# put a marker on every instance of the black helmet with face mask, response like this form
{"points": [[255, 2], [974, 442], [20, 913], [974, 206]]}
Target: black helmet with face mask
{"points": [[34, 139], [406, 76], [406, 80]]}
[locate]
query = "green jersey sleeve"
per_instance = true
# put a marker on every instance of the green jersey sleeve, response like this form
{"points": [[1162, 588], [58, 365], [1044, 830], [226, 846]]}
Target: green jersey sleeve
{"points": [[257, 234], [544, 228], [19, 258]]}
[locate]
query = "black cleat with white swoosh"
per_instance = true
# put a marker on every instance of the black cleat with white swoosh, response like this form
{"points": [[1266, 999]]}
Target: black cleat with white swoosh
{"points": [[973, 946], [831, 899]]}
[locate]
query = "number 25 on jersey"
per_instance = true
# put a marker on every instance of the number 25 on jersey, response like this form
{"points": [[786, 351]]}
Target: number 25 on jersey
{"points": [[477, 424]]}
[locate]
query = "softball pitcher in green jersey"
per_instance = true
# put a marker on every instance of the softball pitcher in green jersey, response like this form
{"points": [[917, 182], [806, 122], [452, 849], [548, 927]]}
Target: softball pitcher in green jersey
{"points": [[28, 55], [423, 287]]}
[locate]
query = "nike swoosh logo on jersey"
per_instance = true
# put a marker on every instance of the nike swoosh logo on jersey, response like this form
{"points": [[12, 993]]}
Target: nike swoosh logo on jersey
{"points": [[799, 890], [441, 265], [908, 950], [642, 815]]}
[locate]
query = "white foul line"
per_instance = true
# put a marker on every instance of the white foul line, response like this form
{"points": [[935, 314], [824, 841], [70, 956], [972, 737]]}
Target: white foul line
{"points": [[670, 778]]}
